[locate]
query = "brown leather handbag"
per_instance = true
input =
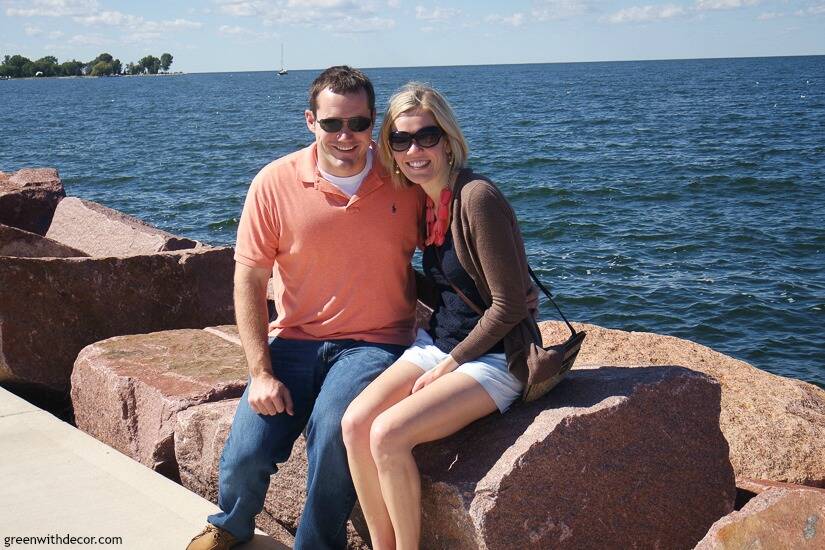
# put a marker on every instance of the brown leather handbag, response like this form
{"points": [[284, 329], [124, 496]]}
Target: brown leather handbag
{"points": [[546, 365]]}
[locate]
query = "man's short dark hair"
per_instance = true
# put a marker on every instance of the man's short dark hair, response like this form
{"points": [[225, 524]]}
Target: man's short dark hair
{"points": [[341, 79]]}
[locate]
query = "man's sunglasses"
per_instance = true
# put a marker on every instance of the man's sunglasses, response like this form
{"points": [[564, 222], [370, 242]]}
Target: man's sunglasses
{"points": [[426, 137], [355, 124]]}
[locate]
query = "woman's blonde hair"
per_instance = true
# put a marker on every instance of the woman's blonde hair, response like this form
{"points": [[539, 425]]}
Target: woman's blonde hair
{"points": [[415, 96]]}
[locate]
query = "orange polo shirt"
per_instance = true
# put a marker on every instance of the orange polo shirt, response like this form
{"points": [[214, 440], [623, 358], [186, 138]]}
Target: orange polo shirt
{"points": [[340, 265]]}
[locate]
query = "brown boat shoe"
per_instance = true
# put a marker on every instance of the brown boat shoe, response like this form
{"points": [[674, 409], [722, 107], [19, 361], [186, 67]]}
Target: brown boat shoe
{"points": [[213, 538]]}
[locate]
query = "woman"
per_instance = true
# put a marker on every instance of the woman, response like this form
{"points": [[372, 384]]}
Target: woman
{"points": [[456, 372]]}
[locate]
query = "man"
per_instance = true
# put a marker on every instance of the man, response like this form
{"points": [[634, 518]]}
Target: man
{"points": [[337, 238]]}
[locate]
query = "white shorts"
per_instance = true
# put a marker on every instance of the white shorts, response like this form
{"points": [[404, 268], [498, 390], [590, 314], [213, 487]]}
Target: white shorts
{"points": [[489, 370]]}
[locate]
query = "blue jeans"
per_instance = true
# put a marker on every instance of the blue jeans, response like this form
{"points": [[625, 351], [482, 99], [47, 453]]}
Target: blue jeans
{"points": [[323, 378]]}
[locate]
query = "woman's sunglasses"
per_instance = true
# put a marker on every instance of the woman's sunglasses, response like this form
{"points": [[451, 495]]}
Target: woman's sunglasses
{"points": [[426, 137], [355, 124]]}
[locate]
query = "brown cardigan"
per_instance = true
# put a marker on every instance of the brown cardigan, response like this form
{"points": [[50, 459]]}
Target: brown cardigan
{"points": [[490, 248]]}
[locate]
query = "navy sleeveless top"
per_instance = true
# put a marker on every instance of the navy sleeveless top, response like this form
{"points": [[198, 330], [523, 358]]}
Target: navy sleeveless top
{"points": [[452, 319]]}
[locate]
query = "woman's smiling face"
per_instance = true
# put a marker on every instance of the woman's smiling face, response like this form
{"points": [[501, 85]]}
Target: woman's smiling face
{"points": [[421, 165]]}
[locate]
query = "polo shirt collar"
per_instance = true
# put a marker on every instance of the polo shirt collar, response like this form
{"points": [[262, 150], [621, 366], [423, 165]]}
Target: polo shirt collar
{"points": [[309, 174]]}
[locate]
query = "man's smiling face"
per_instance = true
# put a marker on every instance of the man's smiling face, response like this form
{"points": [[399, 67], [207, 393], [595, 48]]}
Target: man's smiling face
{"points": [[342, 153]]}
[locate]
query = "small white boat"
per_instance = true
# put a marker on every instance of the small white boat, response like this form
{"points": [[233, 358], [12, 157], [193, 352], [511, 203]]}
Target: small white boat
{"points": [[283, 70]]}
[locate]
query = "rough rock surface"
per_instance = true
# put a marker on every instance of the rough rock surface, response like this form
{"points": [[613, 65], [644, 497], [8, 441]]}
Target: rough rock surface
{"points": [[199, 439], [608, 459], [775, 426], [101, 231], [778, 518], [53, 307], [29, 197], [128, 390], [634, 447], [24, 244]]}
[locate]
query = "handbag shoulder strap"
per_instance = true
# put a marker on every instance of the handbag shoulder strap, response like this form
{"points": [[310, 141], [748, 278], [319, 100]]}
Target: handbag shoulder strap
{"points": [[550, 297], [479, 311]]}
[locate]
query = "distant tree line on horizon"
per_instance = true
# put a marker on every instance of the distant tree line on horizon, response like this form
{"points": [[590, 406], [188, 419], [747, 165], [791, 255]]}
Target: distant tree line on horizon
{"points": [[17, 66]]}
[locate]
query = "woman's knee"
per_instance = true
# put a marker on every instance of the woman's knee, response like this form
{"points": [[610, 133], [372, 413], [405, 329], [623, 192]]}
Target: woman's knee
{"points": [[388, 437], [355, 425]]}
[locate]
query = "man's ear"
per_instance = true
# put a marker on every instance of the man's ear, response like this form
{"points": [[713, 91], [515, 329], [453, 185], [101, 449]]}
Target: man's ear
{"points": [[310, 120]]}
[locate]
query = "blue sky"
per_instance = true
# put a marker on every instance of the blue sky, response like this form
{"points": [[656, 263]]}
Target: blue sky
{"points": [[235, 35]]}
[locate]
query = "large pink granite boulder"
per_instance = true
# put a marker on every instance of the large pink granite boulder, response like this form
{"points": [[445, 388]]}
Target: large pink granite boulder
{"points": [[128, 390], [775, 426], [28, 198], [53, 307], [17, 242], [609, 459], [778, 518], [101, 231]]}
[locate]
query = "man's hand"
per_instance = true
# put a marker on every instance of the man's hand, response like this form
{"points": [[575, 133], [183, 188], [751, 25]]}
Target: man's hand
{"points": [[269, 396], [448, 364]]}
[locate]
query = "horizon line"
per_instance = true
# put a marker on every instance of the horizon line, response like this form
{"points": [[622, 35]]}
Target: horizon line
{"points": [[651, 60]]}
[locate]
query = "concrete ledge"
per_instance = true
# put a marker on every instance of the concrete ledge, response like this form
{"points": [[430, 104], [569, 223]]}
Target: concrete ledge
{"points": [[57, 480]]}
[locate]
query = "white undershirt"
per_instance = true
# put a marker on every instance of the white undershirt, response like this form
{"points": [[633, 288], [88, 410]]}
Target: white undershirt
{"points": [[350, 184]]}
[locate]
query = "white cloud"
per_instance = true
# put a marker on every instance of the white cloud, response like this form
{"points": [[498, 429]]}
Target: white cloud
{"points": [[50, 8], [242, 32], [173, 24], [393, 3], [639, 14], [436, 13], [707, 5], [814, 10], [87, 40], [31, 30], [359, 25], [135, 22], [113, 18], [552, 10], [339, 16], [514, 20], [226, 29], [320, 3], [769, 15], [658, 12], [240, 8]]}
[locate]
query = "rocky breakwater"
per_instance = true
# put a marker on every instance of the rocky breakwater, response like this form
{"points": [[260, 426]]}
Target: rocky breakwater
{"points": [[629, 450], [97, 273], [610, 457], [775, 426]]}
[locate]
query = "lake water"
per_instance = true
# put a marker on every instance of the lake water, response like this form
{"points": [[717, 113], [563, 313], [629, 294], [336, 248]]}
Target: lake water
{"points": [[677, 197]]}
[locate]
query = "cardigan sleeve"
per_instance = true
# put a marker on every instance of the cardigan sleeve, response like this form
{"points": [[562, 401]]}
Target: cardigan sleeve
{"points": [[491, 234]]}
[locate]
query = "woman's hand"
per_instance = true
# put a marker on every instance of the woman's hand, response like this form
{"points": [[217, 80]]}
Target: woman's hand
{"points": [[448, 364]]}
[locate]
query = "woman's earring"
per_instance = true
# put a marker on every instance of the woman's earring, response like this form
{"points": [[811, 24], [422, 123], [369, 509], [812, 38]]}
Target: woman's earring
{"points": [[396, 169], [450, 158]]}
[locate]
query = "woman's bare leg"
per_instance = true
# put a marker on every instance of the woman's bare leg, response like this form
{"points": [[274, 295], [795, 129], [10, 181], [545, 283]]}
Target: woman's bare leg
{"points": [[438, 410], [389, 388]]}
